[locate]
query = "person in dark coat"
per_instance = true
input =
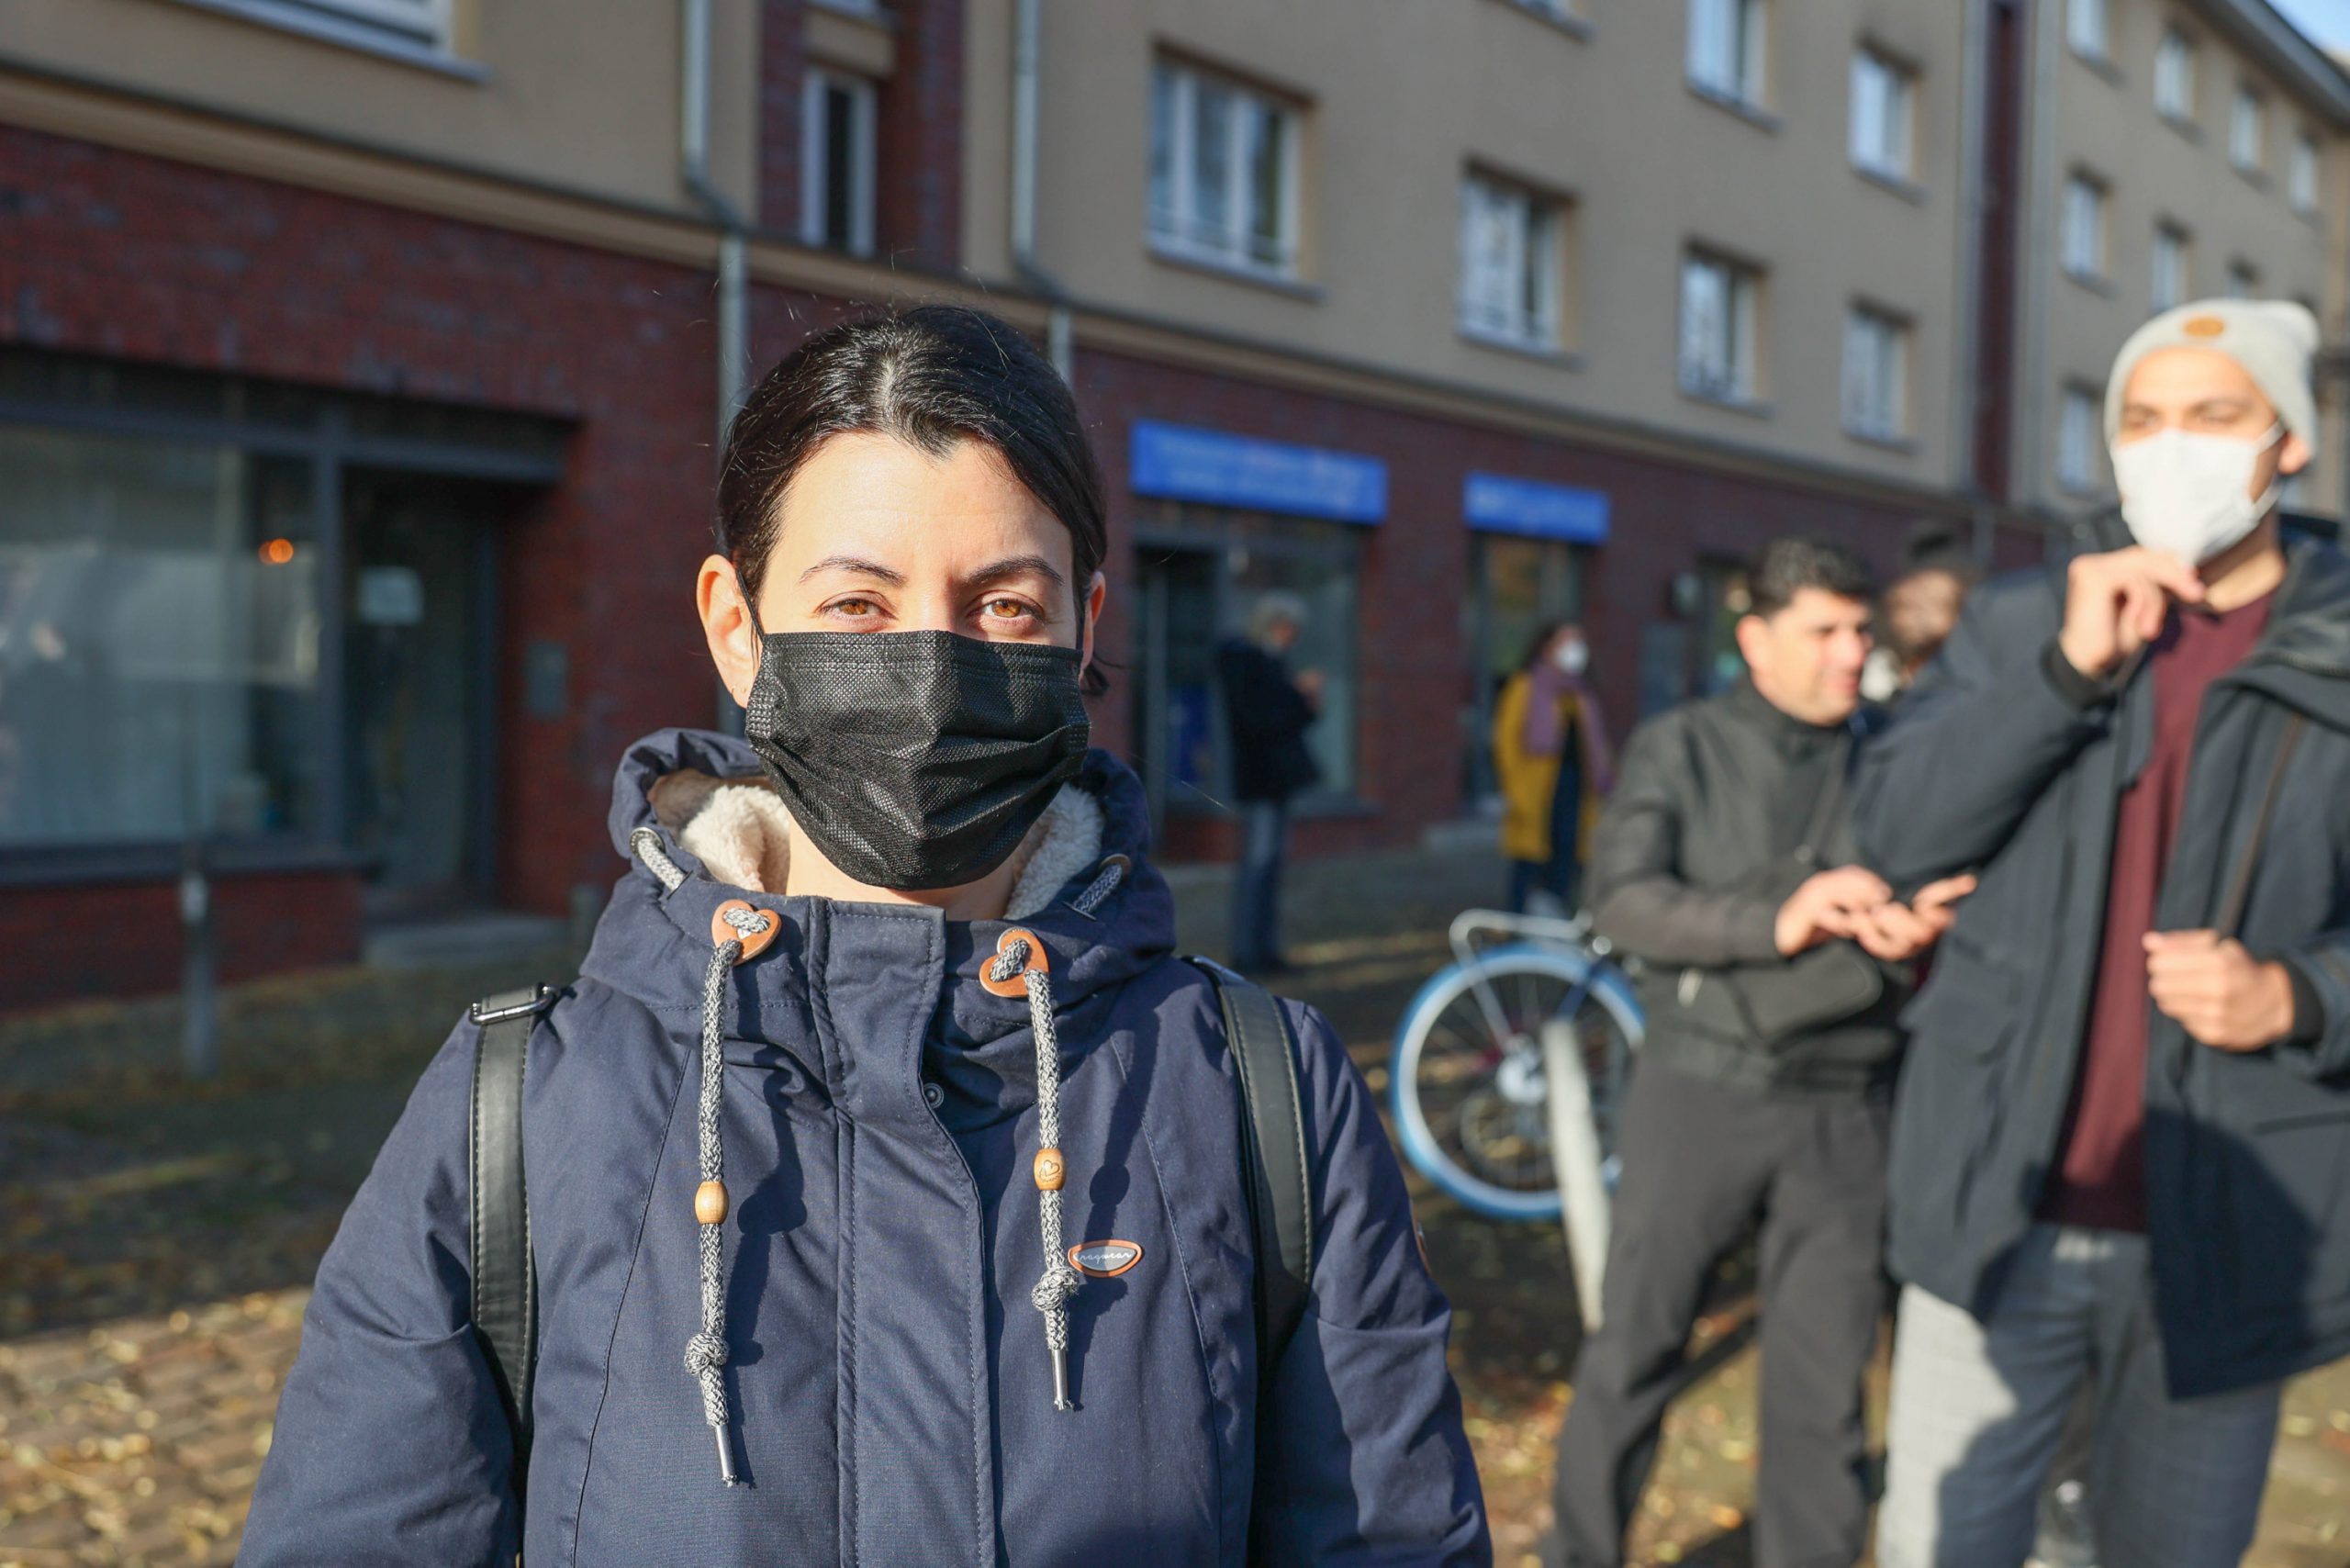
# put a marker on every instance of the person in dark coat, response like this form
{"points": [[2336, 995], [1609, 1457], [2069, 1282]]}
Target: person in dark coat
{"points": [[1267, 713], [1774, 965], [884, 1146], [2117, 1158]]}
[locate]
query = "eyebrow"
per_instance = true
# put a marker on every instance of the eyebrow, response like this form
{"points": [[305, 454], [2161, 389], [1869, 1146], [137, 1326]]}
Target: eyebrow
{"points": [[1015, 566], [858, 566]]}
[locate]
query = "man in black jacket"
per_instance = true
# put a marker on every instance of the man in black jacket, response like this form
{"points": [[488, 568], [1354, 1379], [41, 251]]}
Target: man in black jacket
{"points": [[1725, 860], [2118, 1149], [1267, 711]]}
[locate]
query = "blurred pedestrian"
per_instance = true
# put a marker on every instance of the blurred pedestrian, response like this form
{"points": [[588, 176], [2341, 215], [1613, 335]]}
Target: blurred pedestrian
{"points": [[2118, 1156], [881, 980], [1775, 968], [1919, 613], [1267, 711], [1551, 755]]}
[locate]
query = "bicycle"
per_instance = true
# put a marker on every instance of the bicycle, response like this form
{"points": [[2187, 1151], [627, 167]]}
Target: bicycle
{"points": [[1470, 1089]]}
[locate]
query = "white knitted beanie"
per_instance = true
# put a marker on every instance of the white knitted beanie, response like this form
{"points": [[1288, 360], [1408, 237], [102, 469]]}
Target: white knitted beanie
{"points": [[2273, 339]]}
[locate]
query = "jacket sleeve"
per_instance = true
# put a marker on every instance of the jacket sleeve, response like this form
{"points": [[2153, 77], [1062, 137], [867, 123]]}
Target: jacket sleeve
{"points": [[2321, 974], [1638, 897], [391, 1447], [1996, 717], [1361, 1457]]}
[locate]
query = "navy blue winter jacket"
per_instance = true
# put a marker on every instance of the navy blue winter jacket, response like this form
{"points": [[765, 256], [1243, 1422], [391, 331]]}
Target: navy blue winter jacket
{"points": [[890, 1384]]}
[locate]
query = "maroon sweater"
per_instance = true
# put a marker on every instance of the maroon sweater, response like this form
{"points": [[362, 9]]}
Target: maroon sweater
{"points": [[2100, 1179]]}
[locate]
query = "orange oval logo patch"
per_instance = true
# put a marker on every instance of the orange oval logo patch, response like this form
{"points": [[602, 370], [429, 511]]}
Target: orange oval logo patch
{"points": [[1105, 1259], [2204, 327]]}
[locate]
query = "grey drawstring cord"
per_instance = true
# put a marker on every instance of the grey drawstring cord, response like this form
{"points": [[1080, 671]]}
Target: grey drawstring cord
{"points": [[1058, 1281], [706, 1351]]}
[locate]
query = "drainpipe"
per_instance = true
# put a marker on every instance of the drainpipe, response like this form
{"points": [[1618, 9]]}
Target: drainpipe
{"points": [[733, 314], [1027, 87]]}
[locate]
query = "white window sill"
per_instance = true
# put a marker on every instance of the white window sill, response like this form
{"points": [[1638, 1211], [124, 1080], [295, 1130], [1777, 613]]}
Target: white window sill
{"points": [[1893, 181], [1736, 402], [1884, 441], [1731, 103], [1543, 350], [1235, 269], [1573, 25], [2102, 64], [347, 35], [2096, 283]]}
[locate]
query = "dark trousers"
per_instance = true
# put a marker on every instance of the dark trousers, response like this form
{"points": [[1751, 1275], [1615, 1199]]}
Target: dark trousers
{"points": [[1701, 1162], [1257, 890]]}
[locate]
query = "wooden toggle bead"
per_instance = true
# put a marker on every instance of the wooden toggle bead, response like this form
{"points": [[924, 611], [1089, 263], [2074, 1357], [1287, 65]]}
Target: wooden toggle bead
{"points": [[710, 1202], [1049, 1171]]}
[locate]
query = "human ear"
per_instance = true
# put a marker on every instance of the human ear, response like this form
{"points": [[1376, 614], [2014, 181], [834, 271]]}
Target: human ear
{"points": [[727, 626], [1089, 617], [2294, 455]]}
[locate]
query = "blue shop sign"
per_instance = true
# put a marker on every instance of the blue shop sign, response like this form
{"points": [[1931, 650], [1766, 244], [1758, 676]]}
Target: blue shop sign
{"points": [[1192, 465], [1505, 504]]}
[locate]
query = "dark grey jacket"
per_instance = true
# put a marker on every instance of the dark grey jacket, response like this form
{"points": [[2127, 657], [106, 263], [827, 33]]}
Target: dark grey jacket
{"points": [[1700, 843], [2002, 763]]}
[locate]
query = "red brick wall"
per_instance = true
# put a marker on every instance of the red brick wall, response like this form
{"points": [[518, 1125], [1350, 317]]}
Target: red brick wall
{"points": [[125, 940], [783, 71], [1414, 672]]}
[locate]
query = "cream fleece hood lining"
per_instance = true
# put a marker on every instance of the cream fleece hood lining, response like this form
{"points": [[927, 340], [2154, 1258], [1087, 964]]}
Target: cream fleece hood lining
{"points": [[741, 831]]}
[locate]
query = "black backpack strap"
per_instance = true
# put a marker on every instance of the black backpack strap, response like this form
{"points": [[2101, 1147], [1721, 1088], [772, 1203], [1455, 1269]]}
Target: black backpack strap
{"points": [[506, 1282], [1279, 1181]]}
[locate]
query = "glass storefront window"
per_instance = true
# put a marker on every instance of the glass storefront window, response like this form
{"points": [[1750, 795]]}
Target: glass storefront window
{"points": [[1203, 571], [1516, 586], [159, 642]]}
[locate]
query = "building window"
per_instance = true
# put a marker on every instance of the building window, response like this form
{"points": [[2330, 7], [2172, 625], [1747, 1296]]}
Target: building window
{"points": [[2243, 280], [1200, 571], [2175, 79], [1720, 329], [2300, 176], [2084, 233], [1883, 111], [2246, 131], [2086, 26], [1512, 263], [1222, 171], [2076, 439], [1518, 587], [1726, 49], [1876, 374], [2170, 272], [837, 162], [159, 617]]}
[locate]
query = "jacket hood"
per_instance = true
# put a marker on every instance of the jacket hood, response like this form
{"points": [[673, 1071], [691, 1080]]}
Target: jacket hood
{"points": [[654, 944], [2304, 658]]}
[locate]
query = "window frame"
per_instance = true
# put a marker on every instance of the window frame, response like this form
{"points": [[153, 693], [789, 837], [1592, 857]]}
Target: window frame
{"points": [[2178, 241], [2243, 279], [1742, 331], [2094, 272], [1899, 115], [1893, 334], [865, 95], [1748, 57], [1539, 256], [2186, 78], [2099, 49], [1167, 227], [2079, 479], [2256, 164]]}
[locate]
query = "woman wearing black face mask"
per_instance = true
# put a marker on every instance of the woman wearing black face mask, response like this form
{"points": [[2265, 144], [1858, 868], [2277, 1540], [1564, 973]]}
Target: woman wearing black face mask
{"points": [[884, 1166]]}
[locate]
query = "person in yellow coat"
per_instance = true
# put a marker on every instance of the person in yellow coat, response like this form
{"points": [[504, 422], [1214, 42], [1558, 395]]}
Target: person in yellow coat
{"points": [[1551, 756]]}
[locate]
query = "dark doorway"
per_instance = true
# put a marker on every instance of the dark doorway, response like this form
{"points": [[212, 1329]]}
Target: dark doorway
{"points": [[419, 579]]}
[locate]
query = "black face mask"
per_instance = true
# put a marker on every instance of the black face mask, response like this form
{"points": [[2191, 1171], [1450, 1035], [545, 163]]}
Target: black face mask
{"points": [[915, 759]]}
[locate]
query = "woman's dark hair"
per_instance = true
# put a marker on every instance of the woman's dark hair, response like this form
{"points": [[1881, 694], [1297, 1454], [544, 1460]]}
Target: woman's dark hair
{"points": [[1542, 640], [931, 376]]}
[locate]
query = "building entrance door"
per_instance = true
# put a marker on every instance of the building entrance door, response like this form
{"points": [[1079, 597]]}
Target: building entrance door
{"points": [[1178, 621], [418, 595]]}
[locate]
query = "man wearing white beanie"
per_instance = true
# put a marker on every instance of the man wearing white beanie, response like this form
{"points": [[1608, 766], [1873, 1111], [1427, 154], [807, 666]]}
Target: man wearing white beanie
{"points": [[2117, 1152]]}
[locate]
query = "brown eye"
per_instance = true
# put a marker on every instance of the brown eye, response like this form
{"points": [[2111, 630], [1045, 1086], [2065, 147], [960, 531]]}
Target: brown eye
{"points": [[1004, 609]]}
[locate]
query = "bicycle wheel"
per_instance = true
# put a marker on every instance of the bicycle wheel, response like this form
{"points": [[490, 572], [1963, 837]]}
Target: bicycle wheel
{"points": [[1468, 1086]]}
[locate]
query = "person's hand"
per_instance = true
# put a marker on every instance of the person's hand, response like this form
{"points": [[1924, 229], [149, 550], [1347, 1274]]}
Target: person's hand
{"points": [[1829, 904], [1894, 932], [1309, 685], [2115, 605], [2224, 996]]}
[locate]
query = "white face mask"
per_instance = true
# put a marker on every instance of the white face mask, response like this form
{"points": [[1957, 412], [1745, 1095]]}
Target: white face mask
{"points": [[2190, 494], [1572, 658]]}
